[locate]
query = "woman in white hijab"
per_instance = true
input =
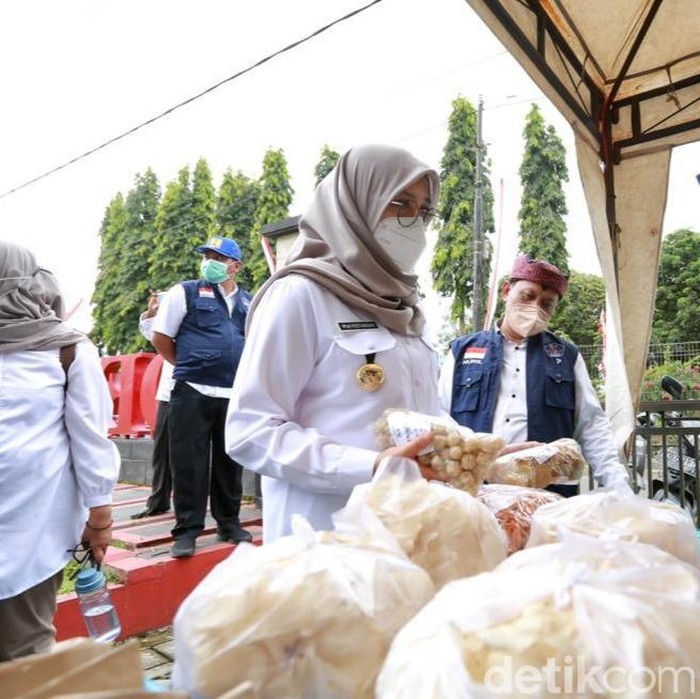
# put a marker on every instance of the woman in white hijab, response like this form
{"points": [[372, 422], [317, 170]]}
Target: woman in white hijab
{"points": [[57, 467], [334, 338]]}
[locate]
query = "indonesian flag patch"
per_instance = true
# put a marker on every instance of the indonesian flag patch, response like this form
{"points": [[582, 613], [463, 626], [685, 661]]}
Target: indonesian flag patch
{"points": [[474, 354], [206, 292]]}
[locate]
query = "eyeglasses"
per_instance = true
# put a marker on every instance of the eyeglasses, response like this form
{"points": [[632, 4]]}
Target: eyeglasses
{"points": [[408, 211], [84, 558]]}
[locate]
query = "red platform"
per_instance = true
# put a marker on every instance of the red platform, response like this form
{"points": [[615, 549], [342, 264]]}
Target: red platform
{"points": [[152, 583]]}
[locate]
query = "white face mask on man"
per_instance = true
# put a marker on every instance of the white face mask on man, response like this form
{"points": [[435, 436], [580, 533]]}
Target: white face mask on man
{"points": [[403, 244], [527, 319]]}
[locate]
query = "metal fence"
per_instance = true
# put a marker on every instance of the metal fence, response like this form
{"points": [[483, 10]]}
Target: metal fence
{"points": [[658, 354], [664, 461]]}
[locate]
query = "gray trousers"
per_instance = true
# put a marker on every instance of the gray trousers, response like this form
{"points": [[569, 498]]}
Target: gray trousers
{"points": [[26, 620]]}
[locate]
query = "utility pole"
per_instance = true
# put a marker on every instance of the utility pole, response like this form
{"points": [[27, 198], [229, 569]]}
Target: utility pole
{"points": [[477, 301]]}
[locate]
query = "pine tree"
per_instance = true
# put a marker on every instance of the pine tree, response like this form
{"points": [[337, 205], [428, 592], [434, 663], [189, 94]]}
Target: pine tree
{"points": [[273, 204], [329, 158], [235, 214], [452, 265], [203, 202], [543, 202], [123, 280], [106, 293], [172, 258]]}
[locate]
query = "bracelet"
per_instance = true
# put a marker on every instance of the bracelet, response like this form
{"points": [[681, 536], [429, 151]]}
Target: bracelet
{"points": [[99, 529]]}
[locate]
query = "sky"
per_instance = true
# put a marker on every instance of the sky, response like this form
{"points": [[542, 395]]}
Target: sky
{"points": [[80, 73]]}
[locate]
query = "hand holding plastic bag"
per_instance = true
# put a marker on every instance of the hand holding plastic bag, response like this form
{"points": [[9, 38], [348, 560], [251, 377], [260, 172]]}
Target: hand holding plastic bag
{"points": [[459, 454], [560, 461]]}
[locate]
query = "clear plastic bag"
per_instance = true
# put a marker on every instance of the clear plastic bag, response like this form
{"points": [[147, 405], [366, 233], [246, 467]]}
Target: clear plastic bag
{"points": [[585, 618], [618, 513], [461, 454], [309, 615], [444, 530], [560, 461], [513, 507]]}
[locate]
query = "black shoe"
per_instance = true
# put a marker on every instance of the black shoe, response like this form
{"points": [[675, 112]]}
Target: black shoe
{"points": [[235, 534], [149, 513], [183, 547]]}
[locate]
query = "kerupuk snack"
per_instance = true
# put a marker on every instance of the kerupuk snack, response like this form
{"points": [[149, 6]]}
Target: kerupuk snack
{"points": [[308, 615], [457, 452], [444, 530], [586, 618], [513, 508], [560, 461]]}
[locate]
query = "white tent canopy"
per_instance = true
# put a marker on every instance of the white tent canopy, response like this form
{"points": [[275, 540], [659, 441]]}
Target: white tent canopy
{"points": [[626, 76]]}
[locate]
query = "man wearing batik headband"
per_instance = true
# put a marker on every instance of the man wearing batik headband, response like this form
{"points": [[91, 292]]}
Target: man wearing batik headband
{"points": [[526, 384]]}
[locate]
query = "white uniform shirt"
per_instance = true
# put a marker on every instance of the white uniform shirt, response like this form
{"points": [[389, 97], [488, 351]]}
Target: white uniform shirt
{"points": [[166, 380], [172, 311], [591, 426], [297, 415], [55, 462]]}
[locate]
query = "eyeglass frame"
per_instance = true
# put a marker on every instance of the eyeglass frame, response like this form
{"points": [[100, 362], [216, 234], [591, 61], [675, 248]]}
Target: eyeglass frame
{"points": [[427, 213], [87, 560]]}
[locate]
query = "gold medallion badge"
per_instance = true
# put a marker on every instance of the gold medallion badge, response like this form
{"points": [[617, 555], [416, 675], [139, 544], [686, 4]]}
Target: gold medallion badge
{"points": [[370, 377]]}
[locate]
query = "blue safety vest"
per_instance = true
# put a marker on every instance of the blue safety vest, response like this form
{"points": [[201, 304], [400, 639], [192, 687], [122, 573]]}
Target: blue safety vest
{"points": [[210, 341], [550, 387]]}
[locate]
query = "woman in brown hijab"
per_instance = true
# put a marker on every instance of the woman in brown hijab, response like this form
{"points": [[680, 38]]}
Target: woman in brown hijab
{"points": [[335, 337]]}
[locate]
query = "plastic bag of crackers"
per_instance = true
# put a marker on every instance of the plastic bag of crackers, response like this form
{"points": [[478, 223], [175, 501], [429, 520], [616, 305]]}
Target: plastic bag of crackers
{"points": [[560, 461], [461, 454]]}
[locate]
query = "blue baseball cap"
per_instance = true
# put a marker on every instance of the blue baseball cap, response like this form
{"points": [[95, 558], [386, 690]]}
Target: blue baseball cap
{"points": [[224, 246]]}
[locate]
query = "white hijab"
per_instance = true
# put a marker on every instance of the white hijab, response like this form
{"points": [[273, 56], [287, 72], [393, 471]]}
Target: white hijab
{"points": [[31, 305], [336, 245]]}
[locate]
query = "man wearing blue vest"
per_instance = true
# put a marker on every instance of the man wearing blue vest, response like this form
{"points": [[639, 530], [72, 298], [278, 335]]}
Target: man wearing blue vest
{"points": [[526, 384], [200, 329]]}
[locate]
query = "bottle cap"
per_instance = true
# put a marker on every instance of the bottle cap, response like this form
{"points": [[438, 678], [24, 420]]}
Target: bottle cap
{"points": [[88, 580]]}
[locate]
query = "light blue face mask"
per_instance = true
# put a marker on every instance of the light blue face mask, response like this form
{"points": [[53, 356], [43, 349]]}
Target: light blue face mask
{"points": [[214, 271]]}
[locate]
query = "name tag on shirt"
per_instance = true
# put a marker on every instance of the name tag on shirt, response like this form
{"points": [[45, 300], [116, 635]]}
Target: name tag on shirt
{"points": [[357, 325]]}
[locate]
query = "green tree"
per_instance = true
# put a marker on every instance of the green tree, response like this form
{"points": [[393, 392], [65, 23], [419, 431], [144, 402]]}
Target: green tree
{"points": [[578, 314], [172, 258], [204, 223], [329, 158], [677, 310], [124, 259], [107, 290], [543, 203], [273, 204], [235, 214], [452, 266]]}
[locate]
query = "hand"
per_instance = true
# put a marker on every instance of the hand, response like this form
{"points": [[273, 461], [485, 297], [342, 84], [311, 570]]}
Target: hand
{"points": [[98, 539], [152, 305], [518, 446], [410, 450]]}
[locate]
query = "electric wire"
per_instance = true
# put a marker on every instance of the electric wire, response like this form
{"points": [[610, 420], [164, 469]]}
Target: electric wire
{"points": [[189, 100]]}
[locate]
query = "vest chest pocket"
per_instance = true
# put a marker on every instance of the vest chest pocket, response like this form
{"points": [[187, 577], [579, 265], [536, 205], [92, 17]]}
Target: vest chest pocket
{"points": [[560, 388], [208, 313], [467, 392]]}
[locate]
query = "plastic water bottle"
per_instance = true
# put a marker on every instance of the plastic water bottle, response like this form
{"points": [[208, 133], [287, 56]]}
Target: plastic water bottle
{"points": [[96, 605]]}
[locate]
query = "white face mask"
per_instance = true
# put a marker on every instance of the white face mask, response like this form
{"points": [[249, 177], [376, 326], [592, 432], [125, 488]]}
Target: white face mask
{"points": [[527, 320], [403, 245]]}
